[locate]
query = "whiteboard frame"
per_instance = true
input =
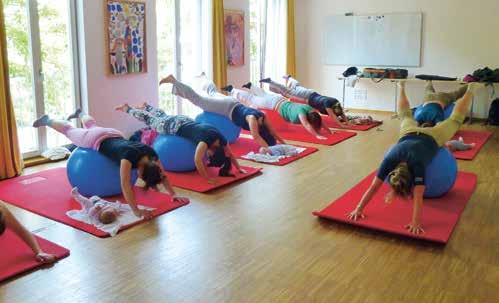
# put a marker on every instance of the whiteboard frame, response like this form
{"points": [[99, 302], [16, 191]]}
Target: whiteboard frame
{"points": [[323, 44]]}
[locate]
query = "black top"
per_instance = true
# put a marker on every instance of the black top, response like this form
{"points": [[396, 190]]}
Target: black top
{"points": [[201, 132], [118, 149], [416, 150]]}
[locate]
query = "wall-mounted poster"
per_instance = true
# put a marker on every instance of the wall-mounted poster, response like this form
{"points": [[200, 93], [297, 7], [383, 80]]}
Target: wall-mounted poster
{"points": [[234, 37], [126, 36]]}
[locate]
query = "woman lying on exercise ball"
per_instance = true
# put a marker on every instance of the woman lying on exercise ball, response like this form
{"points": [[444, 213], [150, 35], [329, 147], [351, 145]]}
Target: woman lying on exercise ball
{"points": [[406, 162], [289, 111], [208, 140], [431, 111], [247, 118], [112, 144], [325, 105], [7, 220]]}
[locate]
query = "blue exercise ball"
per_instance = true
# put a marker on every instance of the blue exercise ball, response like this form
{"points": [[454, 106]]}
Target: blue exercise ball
{"points": [[175, 153], [223, 124], [448, 110], [94, 174], [440, 174]]}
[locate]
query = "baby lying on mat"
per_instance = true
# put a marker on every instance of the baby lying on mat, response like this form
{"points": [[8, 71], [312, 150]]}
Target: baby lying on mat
{"points": [[361, 120], [104, 215], [280, 150], [459, 145], [274, 153]]}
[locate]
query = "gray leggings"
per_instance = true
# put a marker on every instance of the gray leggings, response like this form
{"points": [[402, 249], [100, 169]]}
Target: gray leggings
{"points": [[215, 104]]}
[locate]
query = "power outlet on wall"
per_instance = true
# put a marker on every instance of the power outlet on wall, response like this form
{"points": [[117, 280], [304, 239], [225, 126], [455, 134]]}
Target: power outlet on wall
{"points": [[360, 95]]}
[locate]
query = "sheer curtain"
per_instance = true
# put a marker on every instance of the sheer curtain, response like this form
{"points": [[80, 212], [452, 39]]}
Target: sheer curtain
{"points": [[196, 40], [274, 38]]}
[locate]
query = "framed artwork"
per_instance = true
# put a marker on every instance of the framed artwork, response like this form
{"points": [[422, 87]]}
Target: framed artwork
{"points": [[126, 37], [234, 37]]}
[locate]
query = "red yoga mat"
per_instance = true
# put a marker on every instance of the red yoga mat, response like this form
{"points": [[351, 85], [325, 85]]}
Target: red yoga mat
{"points": [[18, 258], [471, 136], [438, 216], [193, 180], [296, 132], [245, 145], [47, 194]]}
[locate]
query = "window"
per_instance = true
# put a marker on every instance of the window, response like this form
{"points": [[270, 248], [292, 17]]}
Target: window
{"points": [[184, 47], [268, 39], [165, 10], [42, 67]]}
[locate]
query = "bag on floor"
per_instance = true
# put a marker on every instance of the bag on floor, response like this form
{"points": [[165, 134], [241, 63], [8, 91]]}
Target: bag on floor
{"points": [[493, 118], [487, 75]]}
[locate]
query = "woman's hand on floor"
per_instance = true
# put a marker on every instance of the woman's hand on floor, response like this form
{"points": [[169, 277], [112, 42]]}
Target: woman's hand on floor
{"points": [[144, 213], [45, 258], [180, 199], [356, 215], [414, 228]]}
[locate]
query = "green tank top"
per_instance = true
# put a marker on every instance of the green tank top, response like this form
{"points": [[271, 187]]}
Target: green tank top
{"points": [[290, 111]]}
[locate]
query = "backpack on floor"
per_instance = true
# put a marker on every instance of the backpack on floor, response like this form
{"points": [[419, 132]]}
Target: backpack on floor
{"points": [[493, 118]]}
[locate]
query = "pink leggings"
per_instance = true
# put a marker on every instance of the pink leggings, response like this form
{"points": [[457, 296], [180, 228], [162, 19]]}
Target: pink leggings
{"points": [[90, 136]]}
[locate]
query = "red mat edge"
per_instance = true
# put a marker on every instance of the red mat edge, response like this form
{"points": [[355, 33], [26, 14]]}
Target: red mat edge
{"points": [[36, 266], [401, 233], [257, 171], [351, 134]]}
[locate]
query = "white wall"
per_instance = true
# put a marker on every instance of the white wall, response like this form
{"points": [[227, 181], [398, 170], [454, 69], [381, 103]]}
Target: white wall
{"points": [[101, 92], [240, 75], [459, 36]]}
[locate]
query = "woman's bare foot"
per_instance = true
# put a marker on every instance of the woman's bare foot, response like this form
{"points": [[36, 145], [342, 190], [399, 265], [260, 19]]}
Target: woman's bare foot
{"points": [[169, 79], [142, 106], [122, 108]]}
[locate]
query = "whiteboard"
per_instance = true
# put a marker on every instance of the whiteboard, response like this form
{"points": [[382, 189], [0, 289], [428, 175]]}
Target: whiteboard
{"points": [[373, 40]]}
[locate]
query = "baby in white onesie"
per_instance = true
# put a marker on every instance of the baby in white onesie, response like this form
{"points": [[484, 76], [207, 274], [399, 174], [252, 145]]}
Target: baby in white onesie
{"points": [[279, 150], [97, 209]]}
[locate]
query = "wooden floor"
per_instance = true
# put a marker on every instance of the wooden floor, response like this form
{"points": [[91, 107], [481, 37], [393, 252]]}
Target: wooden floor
{"points": [[258, 242]]}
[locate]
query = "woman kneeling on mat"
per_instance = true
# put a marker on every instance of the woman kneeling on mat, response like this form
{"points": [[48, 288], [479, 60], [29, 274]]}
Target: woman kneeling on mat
{"points": [[406, 162], [7, 220], [242, 116], [111, 143], [325, 105], [431, 111], [208, 140], [289, 111]]}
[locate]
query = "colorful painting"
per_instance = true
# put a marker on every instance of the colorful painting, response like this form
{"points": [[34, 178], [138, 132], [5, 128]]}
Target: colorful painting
{"points": [[234, 37], [126, 32]]}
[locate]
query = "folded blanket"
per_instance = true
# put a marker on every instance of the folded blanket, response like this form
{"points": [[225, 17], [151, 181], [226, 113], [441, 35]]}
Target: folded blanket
{"points": [[126, 217]]}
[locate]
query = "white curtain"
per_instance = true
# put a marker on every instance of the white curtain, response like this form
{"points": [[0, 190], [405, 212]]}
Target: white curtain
{"points": [[195, 45], [274, 39]]}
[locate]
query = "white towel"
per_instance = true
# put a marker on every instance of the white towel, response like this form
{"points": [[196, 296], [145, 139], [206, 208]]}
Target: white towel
{"points": [[126, 217], [352, 80]]}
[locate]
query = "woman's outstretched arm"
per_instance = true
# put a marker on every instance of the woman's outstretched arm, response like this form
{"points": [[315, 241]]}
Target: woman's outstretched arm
{"points": [[357, 213]]}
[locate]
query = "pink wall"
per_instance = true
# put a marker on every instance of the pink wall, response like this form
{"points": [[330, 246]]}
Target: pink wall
{"points": [[101, 92]]}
